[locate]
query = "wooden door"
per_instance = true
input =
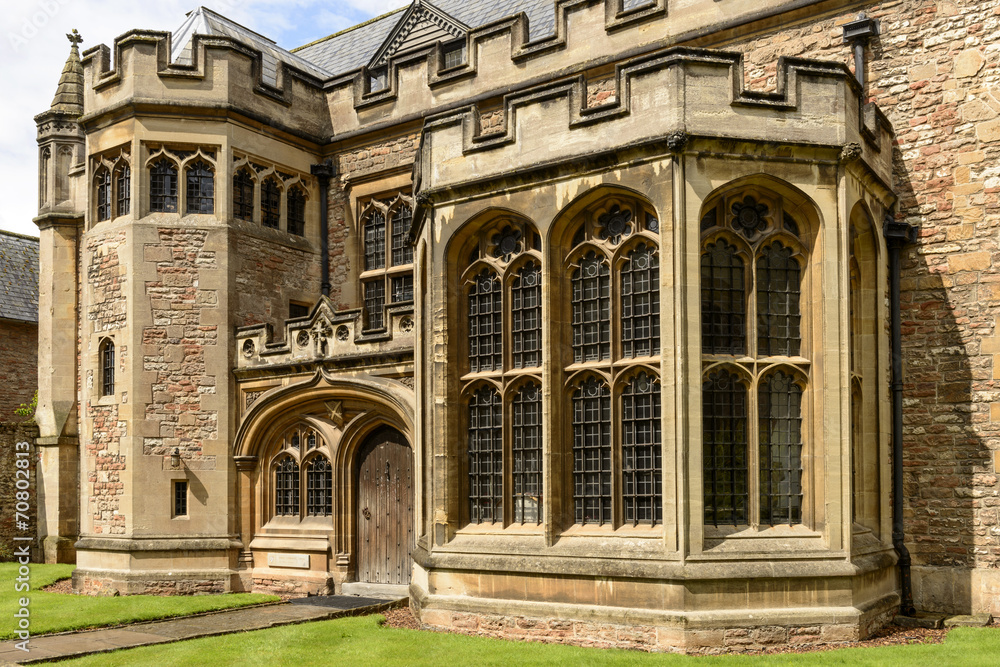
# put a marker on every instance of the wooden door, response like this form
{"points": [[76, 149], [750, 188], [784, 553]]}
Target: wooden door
{"points": [[385, 509]]}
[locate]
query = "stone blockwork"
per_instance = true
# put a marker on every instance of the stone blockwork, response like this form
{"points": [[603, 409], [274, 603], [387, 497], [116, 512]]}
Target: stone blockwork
{"points": [[107, 280], [107, 463], [270, 275], [11, 434], [383, 156], [935, 71], [176, 344], [19, 361]]}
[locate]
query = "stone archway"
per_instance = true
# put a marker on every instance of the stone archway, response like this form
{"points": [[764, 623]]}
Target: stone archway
{"points": [[384, 509]]}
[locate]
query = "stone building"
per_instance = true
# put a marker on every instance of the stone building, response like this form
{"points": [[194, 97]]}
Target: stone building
{"points": [[571, 318], [18, 321]]}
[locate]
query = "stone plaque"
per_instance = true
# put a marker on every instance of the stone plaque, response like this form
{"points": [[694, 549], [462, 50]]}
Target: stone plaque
{"points": [[288, 560]]}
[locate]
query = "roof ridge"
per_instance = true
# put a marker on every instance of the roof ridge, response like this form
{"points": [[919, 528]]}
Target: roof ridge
{"points": [[347, 30], [239, 25], [6, 232]]}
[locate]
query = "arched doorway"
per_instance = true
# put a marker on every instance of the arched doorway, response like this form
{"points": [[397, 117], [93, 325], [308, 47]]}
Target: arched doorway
{"points": [[384, 509]]}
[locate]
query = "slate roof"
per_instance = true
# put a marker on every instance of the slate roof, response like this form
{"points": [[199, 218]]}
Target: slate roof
{"points": [[18, 277], [353, 48], [203, 21]]}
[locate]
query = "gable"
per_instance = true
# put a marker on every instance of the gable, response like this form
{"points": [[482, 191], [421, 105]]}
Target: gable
{"points": [[421, 25]]}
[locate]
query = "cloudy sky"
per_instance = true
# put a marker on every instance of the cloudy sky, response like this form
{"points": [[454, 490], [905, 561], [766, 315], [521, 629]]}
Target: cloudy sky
{"points": [[33, 49]]}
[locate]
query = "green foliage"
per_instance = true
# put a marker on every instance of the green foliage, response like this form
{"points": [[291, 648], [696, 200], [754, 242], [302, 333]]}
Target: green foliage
{"points": [[28, 410], [363, 641], [57, 612]]}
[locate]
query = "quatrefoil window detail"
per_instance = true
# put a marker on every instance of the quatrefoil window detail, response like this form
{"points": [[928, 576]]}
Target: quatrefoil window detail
{"points": [[615, 224], [749, 217], [507, 243]]}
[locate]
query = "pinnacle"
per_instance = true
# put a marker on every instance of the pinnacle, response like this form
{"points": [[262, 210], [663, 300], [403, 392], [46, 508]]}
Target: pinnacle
{"points": [[69, 95]]}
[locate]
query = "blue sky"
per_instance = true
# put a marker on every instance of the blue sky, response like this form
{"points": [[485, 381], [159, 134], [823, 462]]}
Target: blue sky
{"points": [[33, 48]]}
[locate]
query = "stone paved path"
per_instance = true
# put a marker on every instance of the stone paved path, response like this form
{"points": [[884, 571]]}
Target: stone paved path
{"points": [[75, 644]]}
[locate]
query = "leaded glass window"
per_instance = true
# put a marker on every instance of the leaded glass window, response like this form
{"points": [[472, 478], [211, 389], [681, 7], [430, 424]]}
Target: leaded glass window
{"points": [[107, 368], [485, 452], [374, 305], [724, 446], [103, 182], [592, 452], [402, 251], [526, 317], [296, 204], [723, 300], [270, 203], [163, 187], [642, 484], [200, 193], [526, 452], [640, 282], [319, 487], [591, 310], [286, 487], [780, 404], [374, 232], [485, 323], [123, 188], [402, 288], [778, 286], [243, 195]]}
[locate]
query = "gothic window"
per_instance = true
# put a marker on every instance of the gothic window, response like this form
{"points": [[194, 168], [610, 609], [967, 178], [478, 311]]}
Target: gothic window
{"points": [[103, 183], [123, 189], [296, 204], [612, 264], [270, 203], [752, 269], [200, 194], [44, 158], [243, 195], [286, 487], [163, 186], [319, 486], [107, 363], [485, 452], [501, 284], [388, 264]]}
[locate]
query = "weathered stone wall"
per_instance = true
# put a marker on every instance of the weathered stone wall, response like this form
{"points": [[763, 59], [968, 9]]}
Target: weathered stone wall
{"points": [[934, 71], [107, 282], [18, 365], [270, 274], [12, 433], [175, 345], [104, 478]]}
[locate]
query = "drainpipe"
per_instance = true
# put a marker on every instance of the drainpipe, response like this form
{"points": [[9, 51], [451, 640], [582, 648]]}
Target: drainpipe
{"points": [[857, 33], [897, 235], [324, 171]]}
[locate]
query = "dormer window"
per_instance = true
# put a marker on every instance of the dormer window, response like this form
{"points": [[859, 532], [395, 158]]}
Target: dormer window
{"points": [[453, 54], [378, 79]]}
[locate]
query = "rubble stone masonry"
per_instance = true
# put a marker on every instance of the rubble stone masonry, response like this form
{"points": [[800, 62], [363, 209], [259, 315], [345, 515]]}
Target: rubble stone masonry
{"points": [[19, 364], [933, 70]]}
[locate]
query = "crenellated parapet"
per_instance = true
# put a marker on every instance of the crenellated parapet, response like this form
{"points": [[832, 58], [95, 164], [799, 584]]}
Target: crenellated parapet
{"points": [[680, 92]]}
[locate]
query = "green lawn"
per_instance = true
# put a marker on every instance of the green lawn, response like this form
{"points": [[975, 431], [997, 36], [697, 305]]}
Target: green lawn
{"points": [[363, 641], [55, 612]]}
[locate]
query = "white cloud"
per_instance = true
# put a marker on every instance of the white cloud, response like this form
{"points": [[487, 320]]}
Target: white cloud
{"points": [[34, 49]]}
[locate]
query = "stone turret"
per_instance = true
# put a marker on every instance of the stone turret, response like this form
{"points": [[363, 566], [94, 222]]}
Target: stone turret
{"points": [[62, 197]]}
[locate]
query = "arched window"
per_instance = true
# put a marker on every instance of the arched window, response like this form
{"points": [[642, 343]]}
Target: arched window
{"points": [[103, 184], [374, 240], [752, 268], [319, 486], [163, 187], [286, 487], [640, 294], [107, 363], [296, 204], [402, 251], [642, 489], [502, 321], [123, 189], [200, 192], [270, 203], [592, 452], [485, 452], [243, 195], [592, 310], [388, 271]]}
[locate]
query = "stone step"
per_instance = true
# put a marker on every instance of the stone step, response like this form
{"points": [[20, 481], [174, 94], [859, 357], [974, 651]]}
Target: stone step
{"points": [[970, 621], [921, 620]]}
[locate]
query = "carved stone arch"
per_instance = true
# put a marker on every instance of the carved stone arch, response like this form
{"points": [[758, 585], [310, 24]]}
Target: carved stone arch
{"points": [[469, 235], [195, 156], [566, 222]]}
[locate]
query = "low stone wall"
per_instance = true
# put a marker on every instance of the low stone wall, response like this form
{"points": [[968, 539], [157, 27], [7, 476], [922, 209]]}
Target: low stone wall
{"points": [[12, 433]]}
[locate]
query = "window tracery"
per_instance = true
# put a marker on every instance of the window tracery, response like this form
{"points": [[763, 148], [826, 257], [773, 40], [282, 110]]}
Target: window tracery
{"points": [[388, 256]]}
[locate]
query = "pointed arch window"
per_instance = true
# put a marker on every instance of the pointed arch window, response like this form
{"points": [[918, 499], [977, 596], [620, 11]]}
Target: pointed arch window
{"points": [[640, 295], [296, 204], [485, 454], [107, 361], [402, 251], [752, 395], [270, 203], [526, 317], [485, 323], [103, 184], [163, 187], [319, 486], [123, 189], [375, 240], [388, 256], [286, 487], [243, 195], [592, 452], [642, 485], [591, 310], [200, 194]]}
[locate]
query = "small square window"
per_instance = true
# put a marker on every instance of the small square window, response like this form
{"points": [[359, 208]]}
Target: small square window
{"points": [[402, 289], [180, 498], [296, 310], [453, 54]]}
